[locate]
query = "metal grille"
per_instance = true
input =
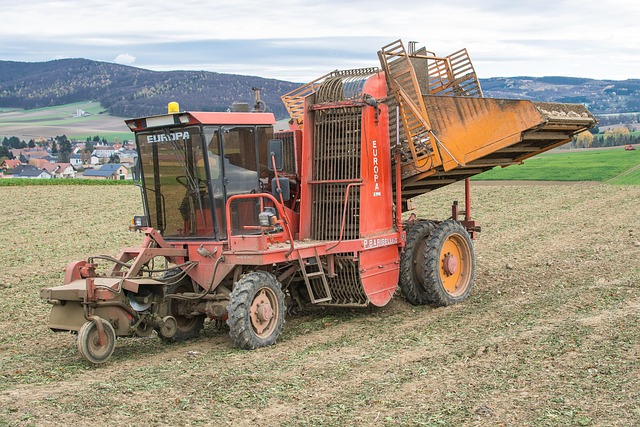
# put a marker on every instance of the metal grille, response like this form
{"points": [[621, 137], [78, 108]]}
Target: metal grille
{"points": [[346, 288], [336, 157], [294, 100], [288, 148], [328, 208], [344, 85]]}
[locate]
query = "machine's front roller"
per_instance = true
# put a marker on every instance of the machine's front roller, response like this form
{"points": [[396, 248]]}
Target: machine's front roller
{"points": [[449, 266], [256, 311], [94, 346]]}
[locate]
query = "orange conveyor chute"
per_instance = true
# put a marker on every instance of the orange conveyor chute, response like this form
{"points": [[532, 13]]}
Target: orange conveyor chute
{"points": [[449, 132]]}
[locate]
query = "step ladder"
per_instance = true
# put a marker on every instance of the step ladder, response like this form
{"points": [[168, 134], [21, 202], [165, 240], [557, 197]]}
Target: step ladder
{"points": [[306, 267]]}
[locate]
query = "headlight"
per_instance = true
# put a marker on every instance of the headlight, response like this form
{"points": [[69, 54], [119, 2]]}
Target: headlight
{"points": [[268, 218]]}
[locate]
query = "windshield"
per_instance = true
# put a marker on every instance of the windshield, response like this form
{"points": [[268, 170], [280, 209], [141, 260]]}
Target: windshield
{"points": [[175, 164], [174, 178]]}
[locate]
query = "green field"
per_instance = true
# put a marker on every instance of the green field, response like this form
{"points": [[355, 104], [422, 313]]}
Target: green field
{"points": [[60, 120], [614, 166], [18, 182]]}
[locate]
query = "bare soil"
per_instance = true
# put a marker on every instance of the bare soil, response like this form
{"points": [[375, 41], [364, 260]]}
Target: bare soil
{"points": [[549, 337]]}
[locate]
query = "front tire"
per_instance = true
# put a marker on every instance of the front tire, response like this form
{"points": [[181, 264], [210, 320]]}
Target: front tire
{"points": [[450, 264], [256, 311], [89, 345]]}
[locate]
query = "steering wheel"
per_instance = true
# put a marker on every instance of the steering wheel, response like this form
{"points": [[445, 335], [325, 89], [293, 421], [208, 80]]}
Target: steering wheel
{"points": [[182, 180]]}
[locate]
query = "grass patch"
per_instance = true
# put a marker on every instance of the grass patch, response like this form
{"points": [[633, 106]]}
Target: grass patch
{"points": [[88, 106], [109, 135], [629, 177], [587, 165]]}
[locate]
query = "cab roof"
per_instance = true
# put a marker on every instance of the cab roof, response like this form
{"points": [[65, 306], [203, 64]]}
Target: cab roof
{"points": [[186, 118]]}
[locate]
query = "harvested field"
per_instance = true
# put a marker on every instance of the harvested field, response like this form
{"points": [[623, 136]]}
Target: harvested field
{"points": [[549, 337]]}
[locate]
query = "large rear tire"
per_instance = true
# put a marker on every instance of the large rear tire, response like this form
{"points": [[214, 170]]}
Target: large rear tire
{"points": [[256, 311], [412, 263], [450, 264]]}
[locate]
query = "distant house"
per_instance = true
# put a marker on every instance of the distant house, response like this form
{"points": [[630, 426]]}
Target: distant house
{"points": [[114, 171], [33, 153], [38, 163], [104, 152], [27, 155], [21, 168], [60, 170], [10, 164], [128, 157], [33, 174], [76, 160]]}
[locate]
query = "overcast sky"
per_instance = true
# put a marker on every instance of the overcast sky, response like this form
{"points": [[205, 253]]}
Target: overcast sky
{"points": [[302, 40]]}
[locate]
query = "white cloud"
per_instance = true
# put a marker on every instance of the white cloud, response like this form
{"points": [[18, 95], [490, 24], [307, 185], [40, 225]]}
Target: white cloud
{"points": [[125, 59], [545, 37]]}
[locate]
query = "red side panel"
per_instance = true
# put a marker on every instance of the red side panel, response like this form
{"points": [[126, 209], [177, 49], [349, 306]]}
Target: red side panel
{"points": [[376, 193], [306, 168], [379, 267], [379, 273]]}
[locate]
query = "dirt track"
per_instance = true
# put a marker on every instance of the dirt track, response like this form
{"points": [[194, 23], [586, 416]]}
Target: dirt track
{"points": [[549, 336]]}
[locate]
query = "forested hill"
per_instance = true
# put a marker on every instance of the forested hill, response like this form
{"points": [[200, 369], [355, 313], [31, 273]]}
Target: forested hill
{"points": [[128, 91], [132, 92], [601, 96]]}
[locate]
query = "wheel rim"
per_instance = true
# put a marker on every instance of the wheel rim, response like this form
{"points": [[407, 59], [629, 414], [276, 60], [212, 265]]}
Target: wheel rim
{"points": [[93, 345], [98, 353], [454, 264], [264, 312]]}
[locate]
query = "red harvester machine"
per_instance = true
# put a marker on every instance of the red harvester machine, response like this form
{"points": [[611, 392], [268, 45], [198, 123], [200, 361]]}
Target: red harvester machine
{"points": [[246, 217]]}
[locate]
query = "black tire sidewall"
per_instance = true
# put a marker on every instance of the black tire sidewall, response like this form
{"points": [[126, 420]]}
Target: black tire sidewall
{"points": [[239, 319], [411, 285]]}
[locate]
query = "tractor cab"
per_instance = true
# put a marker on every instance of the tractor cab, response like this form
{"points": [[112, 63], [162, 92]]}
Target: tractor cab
{"points": [[190, 164]]}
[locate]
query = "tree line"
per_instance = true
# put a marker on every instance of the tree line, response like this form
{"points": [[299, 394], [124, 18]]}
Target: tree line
{"points": [[614, 119], [59, 147], [609, 138]]}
